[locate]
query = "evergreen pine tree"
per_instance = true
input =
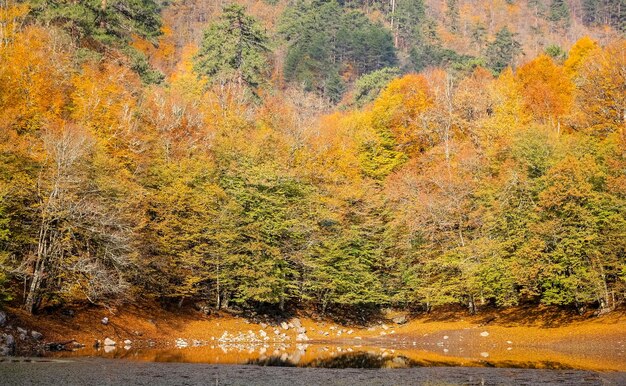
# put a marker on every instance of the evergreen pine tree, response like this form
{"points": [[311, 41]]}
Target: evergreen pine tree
{"points": [[233, 49], [559, 14], [503, 50]]}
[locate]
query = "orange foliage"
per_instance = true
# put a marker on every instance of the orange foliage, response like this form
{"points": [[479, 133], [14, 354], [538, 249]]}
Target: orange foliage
{"points": [[400, 108], [546, 89], [104, 98], [33, 74], [578, 53], [602, 92]]}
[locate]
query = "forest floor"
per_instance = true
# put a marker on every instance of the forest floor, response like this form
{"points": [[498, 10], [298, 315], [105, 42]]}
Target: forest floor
{"points": [[516, 337]]}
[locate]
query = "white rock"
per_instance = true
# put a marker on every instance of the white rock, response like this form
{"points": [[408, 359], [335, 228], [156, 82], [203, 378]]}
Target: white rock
{"points": [[484, 354], [445, 337], [484, 333], [350, 332], [128, 342], [9, 340], [109, 342], [302, 338], [284, 326], [262, 333], [109, 349], [105, 321]]}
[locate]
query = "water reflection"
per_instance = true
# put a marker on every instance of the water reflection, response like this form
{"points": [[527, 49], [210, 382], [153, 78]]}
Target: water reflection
{"points": [[340, 355], [352, 360]]}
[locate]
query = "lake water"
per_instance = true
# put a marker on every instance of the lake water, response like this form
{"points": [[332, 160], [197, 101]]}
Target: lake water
{"points": [[345, 354], [426, 362]]}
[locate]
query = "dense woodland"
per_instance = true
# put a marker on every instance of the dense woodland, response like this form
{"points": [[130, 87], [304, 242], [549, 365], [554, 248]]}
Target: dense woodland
{"points": [[313, 153]]}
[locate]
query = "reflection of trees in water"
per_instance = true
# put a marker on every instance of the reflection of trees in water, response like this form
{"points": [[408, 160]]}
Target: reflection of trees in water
{"points": [[362, 360], [169, 356], [365, 360], [356, 360], [548, 365], [272, 361]]}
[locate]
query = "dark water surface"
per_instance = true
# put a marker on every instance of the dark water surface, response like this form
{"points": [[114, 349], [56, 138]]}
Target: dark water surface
{"points": [[323, 363], [100, 371]]}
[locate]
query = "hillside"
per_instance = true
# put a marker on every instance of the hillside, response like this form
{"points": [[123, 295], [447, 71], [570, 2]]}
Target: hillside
{"points": [[312, 155]]}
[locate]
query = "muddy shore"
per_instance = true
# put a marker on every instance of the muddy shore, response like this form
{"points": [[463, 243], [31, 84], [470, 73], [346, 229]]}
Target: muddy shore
{"points": [[97, 371]]}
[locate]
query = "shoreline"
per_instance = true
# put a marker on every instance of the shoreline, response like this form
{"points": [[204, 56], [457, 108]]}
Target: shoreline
{"points": [[461, 340]]}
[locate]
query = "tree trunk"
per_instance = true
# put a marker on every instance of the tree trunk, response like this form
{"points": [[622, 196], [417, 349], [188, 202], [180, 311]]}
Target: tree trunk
{"points": [[103, 9], [38, 268], [31, 298], [472, 305]]}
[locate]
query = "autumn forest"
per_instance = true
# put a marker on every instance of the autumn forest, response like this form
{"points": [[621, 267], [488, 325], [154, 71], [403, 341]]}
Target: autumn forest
{"points": [[321, 154]]}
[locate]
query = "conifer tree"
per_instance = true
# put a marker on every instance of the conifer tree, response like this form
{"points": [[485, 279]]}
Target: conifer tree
{"points": [[234, 49], [559, 14], [502, 52]]}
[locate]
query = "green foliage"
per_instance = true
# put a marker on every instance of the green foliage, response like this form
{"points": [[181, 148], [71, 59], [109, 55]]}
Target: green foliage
{"points": [[597, 12], [502, 52], [98, 25], [234, 49], [559, 14], [187, 233], [343, 268], [110, 22], [426, 56], [379, 157], [410, 17], [453, 16], [324, 41], [556, 52], [140, 64], [368, 86], [270, 235], [4, 238]]}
